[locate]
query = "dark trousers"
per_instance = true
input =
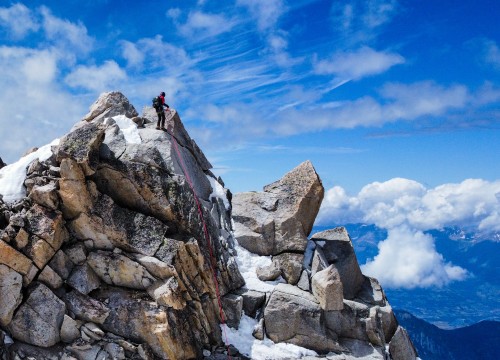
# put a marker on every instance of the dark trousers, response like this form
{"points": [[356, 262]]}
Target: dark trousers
{"points": [[161, 119]]}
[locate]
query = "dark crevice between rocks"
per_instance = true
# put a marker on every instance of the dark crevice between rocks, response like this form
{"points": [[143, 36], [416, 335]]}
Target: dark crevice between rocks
{"points": [[291, 251]]}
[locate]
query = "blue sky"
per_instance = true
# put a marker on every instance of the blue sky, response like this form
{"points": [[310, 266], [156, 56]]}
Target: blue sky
{"points": [[369, 91]]}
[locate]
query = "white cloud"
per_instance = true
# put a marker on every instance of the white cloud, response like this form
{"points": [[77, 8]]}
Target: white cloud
{"points": [[492, 53], [402, 202], [157, 55], [67, 35], [132, 54], [410, 101], [408, 259], [203, 25], [406, 208], [32, 100], [266, 12], [358, 64], [359, 20], [97, 78], [18, 20]]}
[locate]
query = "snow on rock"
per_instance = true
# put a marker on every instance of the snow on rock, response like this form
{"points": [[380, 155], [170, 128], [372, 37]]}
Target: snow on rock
{"points": [[12, 176], [218, 192], [128, 128], [243, 340]]}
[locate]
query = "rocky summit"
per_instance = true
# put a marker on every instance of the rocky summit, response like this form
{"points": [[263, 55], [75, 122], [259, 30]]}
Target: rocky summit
{"points": [[118, 242]]}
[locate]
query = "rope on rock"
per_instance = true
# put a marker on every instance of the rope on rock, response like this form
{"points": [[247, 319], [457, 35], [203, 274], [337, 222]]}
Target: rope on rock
{"points": [[207, 236]]}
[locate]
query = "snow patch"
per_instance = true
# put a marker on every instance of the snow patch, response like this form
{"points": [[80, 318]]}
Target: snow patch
{"points": [[248, 264], [128, 128], [218, 192], [243, 340], [12, 176]]}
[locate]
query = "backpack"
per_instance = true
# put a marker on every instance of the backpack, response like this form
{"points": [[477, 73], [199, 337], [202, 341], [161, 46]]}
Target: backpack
{"points": [[156, 102]]}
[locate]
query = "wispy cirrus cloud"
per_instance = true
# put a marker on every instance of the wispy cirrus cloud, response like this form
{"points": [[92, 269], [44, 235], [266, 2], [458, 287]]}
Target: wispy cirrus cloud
{"points": [[359, 21], [357, 64]]}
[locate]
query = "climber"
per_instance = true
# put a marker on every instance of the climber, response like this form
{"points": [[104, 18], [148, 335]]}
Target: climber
{"points": [[159, 104]]}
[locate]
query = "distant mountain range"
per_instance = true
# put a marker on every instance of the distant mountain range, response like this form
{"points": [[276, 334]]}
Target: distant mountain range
{"points": [[458, 304], [480, 341]]}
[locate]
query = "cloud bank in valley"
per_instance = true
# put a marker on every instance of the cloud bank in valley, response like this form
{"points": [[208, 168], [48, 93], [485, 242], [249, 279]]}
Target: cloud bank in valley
{"points": [[406, 208]]}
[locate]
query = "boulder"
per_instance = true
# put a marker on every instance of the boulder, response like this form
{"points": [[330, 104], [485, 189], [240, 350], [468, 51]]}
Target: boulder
{"points": [[48, 225], [83, 279], [295, 316], [39, 251], [82, 145], [401, 347], [108, 105], [304, 281], [232, 305], [50, 278], [11, 284], [61, 264], [86, 308], [119, 270], [280, 218], [290, 266], [73, 189], [69, 330], [327, 289], [18, 262], [38, 320], [2, 164], [338, 250], [21, 239], [252, 301], [45, 195]]}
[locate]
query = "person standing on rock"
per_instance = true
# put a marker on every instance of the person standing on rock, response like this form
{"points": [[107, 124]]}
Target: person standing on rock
{"points": [[160, 105]]}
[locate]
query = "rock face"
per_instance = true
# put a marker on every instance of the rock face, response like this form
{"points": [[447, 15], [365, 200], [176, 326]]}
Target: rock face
{"points": [[278, 220], [123, 248], [107, 256], [333, 307]]}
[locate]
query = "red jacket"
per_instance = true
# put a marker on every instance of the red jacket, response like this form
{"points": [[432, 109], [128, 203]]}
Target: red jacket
{"points": [[162, 99]]}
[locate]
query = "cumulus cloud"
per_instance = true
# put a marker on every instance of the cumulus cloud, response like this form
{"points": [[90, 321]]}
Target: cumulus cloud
{"points": [[406, 208], [18, 20], [32, 100], [357, 64], [409, 259], [67, 35], [97, 78]]}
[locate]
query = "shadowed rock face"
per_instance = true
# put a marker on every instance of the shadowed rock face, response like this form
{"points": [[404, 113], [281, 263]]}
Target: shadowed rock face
{"points": [[109, 244]]}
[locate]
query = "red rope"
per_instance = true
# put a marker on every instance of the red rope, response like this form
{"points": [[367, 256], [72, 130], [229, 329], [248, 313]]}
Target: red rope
{"points": [[207, 237]]}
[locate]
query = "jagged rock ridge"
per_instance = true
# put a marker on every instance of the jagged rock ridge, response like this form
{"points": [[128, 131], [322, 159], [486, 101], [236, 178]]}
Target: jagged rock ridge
{"points": [[105, 257]]}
